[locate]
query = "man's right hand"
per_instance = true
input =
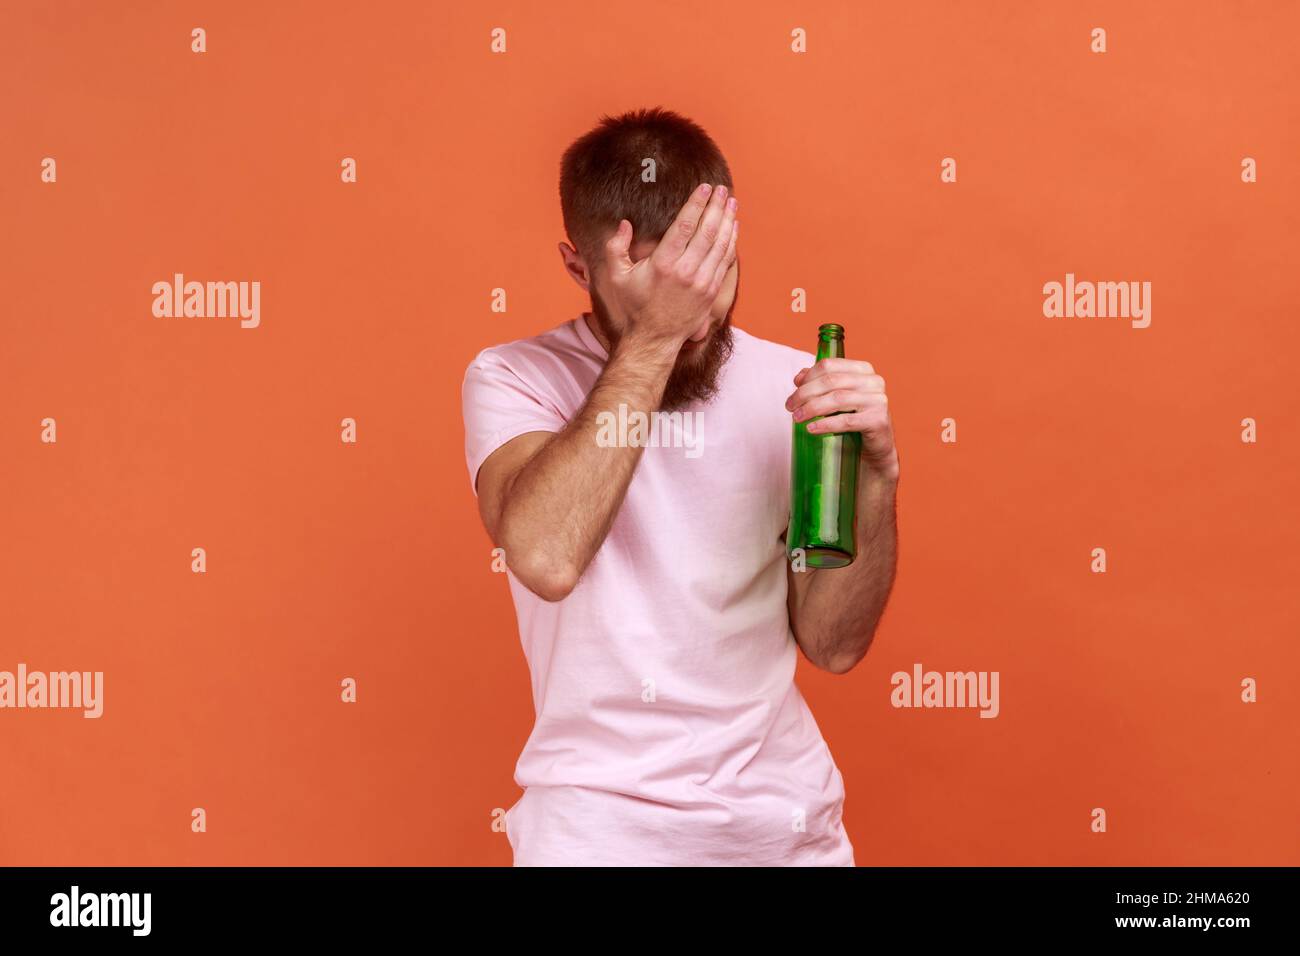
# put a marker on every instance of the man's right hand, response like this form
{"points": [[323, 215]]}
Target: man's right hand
{"points": [[666, 297], [549, 499]]}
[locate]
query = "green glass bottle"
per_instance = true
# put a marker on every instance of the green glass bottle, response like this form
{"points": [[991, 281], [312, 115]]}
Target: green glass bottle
{"points": [[824, 483]]}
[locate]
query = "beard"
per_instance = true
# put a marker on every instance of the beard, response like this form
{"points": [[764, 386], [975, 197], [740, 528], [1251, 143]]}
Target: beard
{"points": [[696, 373]]}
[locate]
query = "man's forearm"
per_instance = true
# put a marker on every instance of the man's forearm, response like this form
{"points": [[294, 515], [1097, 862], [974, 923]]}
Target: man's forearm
{"points": [[835, 618], [561, 503]]}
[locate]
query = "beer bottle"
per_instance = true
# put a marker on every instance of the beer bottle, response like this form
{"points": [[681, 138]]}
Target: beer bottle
{"points": [[824, 483]]}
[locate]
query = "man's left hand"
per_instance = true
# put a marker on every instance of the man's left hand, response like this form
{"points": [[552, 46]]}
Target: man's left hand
{"points": [[852, 387]]}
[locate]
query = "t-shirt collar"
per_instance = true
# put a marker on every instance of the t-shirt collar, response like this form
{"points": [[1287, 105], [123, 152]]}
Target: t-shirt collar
{"points": [[588, 337]]}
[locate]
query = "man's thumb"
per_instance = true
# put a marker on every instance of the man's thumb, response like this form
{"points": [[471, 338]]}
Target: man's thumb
{"points": [[619, 245]]}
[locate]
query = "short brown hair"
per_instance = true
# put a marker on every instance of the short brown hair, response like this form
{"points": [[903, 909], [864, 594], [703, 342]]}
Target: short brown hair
{"points": [[601, 176]]}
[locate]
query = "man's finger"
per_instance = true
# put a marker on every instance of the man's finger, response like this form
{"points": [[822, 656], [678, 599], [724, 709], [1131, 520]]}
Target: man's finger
{"points": [[843, 381], [707, 232], [834, 365], [867, 421], [840, 400], [721, 243], [673, 244], [720, 276]]}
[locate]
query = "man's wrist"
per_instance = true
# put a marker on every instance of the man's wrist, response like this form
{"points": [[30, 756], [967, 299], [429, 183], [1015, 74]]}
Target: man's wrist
{"points": [[649, 347], [882, 478]]}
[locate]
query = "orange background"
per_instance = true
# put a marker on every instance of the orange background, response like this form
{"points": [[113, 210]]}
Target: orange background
{"points": [[328, 560]]}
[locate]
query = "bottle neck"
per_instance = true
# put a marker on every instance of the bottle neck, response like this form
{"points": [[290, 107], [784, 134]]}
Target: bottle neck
{"points": [[830, 346]]}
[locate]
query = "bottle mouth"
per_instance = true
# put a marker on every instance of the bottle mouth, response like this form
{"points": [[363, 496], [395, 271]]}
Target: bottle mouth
{"points": [[831, 331]]}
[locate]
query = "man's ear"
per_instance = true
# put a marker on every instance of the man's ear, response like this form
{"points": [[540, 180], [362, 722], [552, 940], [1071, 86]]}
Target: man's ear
{"points": [[575, 266]]}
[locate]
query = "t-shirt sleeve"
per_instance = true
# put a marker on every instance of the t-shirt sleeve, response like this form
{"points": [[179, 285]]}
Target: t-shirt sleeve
{"points": [[498, 406]]}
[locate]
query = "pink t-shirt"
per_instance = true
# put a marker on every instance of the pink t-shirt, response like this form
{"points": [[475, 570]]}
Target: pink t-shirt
{"points": [[669, 729]]}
